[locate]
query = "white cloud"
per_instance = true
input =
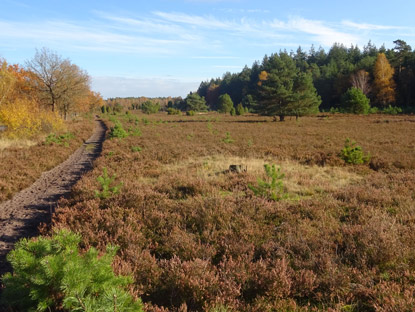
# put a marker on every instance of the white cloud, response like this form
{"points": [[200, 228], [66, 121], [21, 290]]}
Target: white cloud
{"points": [[364, 26], [195, 20], [87, 37], [323, 34], [166, 35]]}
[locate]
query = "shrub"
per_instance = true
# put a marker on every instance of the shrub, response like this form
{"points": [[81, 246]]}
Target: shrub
{"points": [[149, 107], [225, 103], [392, 110], [61, 139], [240, 110], [232, 112], [173, 111], [228, 138], [134, 131], [118, 131], [117, 108], [353, 154], [373, 110], [136, 149], [105, 181], [355, 101], [190, 113], [24, 120], [274, 189], [49, 274]]}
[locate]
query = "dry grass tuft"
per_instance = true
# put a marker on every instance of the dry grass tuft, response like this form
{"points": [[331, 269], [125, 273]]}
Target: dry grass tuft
{"points": [[15, 143]]}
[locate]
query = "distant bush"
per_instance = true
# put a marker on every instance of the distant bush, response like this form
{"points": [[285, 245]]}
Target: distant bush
{"points": [[118, 131], [117, 108], [274, 189], [136, 149], [148, 107], [353, 154], [225, 103], [190, 113], [233, 111], [240, 110], [373, 110], [355, 101], [61, 139], [49, 274], [134, 131], [334, 110], [173, 111], [392, 110]]}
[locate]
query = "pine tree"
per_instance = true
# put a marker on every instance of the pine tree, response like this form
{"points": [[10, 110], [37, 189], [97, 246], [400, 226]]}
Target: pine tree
{"points": [[355, 101], [283, 90], [195, 103], [225, 103], [50, 274], [384, 85]]}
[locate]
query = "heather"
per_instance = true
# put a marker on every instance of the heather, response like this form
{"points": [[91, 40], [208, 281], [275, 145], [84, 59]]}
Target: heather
{"points": [[23, 164], [196, 236]]}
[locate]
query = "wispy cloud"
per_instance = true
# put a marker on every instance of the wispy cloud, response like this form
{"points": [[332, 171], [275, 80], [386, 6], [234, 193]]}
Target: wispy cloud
{"points": [[209, 22], [167, 33], [364, 26], [322, 33], [188, 36]]}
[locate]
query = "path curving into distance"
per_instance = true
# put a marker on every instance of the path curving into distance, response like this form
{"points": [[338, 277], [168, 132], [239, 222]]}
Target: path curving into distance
{"points": [[20, 216]]}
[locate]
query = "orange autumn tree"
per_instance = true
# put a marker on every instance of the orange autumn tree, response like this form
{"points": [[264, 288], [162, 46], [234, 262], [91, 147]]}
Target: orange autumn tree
{"points": [[20, 111], [383, 85], [90, 102]]}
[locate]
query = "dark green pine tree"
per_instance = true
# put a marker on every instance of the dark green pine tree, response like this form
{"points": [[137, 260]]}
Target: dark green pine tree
{"points": [[196, 103], [305, 99], [225, 103], [284, 90]]}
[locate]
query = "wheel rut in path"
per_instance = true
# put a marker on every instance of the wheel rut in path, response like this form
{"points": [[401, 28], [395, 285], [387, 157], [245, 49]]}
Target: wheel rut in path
{"points": [[21, 216]]}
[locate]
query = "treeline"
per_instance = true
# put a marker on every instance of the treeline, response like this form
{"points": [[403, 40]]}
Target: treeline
{"points": [[300, 82], [136, 102], [37, 97]]}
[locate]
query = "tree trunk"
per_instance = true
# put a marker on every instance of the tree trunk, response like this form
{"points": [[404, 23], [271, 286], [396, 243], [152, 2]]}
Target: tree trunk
{"points": [[282, 117]]}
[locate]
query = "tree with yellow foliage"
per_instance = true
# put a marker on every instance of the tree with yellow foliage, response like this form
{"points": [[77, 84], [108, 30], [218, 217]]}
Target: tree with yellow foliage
{"points": [[7, 81], [383, 85]]}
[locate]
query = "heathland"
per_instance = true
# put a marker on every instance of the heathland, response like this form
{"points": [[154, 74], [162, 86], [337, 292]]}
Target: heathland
{"points": [[319, 234]]}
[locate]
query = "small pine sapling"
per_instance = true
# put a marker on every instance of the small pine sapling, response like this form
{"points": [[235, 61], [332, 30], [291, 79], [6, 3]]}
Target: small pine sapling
{"points": [[107, 190], [274, 189], [228, 138], [353, 154], [118, 131]]}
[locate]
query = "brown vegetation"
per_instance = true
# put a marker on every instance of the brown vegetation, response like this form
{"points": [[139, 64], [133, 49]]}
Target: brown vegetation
{"points": [[22, 164], [197, 238]]}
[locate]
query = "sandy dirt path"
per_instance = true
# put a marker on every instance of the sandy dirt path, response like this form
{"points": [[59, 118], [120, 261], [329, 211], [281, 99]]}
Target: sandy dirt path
{"points": [[21, 216]]}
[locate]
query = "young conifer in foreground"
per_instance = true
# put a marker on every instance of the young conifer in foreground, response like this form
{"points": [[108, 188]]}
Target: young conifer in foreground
{"points": [[51, 275]]}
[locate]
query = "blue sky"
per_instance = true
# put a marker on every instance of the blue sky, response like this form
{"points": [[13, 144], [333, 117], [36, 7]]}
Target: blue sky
{"points": [[161, 48]]}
